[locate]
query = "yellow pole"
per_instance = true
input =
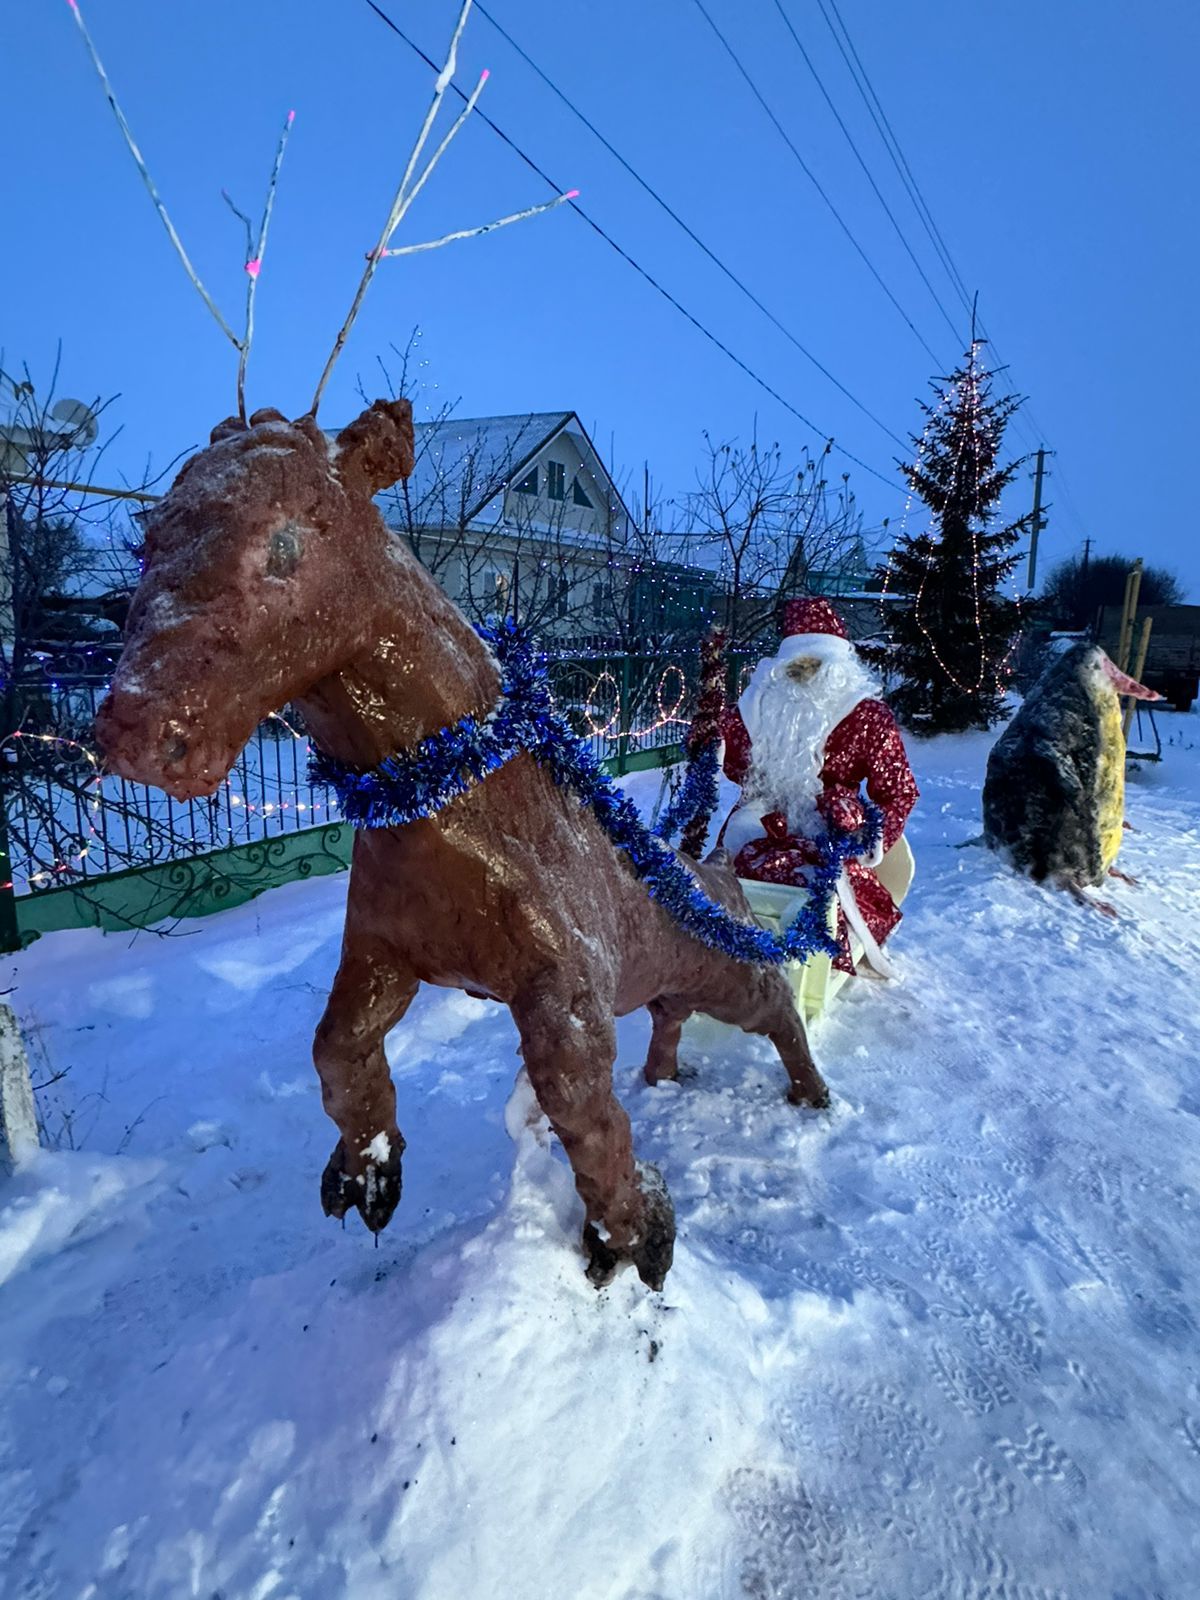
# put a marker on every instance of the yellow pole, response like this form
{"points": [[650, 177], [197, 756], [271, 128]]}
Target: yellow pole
{"points": [[1133, 584], [1143, 647]]}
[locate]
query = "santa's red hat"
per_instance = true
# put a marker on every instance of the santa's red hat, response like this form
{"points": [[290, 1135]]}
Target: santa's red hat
{"points": [[810, 615]]}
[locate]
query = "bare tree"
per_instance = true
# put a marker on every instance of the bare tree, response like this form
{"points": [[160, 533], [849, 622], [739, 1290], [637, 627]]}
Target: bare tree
{"points": [[67, 569], [768, 530], [58, 535]]}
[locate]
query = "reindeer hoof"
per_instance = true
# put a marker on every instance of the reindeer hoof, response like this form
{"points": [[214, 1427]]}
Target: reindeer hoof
{"points": [[374, 1191], [818, 1098], [653, 1250], [602, 1260], [653, 1254]]}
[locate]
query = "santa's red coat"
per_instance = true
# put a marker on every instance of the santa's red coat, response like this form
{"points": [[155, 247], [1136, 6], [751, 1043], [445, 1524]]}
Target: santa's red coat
{"points": [[864, 749]]}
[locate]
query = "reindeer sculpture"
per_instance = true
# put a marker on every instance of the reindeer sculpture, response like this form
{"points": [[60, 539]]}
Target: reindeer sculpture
{"points": [[270, 577]]}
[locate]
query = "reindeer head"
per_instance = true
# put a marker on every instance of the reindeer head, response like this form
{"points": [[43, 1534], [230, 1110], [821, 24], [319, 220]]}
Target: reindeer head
{"points": [[263, 563], [262, 576]]}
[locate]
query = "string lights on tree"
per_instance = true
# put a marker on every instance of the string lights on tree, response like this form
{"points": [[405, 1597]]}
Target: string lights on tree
{"points": [[951, 630]]}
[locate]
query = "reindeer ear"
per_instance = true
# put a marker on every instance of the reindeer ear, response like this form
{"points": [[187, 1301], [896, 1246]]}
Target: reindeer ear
{"points": [[376, 449], [223, 430]]}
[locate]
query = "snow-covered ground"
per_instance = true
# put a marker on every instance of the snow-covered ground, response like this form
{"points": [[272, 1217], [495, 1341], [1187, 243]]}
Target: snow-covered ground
{"points": [[940, 1342]]}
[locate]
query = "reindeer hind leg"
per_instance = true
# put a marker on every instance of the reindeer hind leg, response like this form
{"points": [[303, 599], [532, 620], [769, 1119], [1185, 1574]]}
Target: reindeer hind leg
{"points": [[667, 1018], [766, 1007]]}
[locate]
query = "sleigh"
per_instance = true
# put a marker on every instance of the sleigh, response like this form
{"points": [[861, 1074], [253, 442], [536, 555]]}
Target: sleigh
{"points": [[816, 981]]}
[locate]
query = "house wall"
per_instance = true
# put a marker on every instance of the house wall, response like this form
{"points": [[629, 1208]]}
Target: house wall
{"points": [[517, 559], [525, 509]]}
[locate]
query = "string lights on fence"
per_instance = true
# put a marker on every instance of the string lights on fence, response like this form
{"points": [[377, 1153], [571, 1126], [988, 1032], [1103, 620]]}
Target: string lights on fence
{"points": [[71, 864], [64, 865], [668, 716]]}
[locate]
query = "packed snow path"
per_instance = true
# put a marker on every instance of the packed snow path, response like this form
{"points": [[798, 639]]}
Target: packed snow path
{"points": [[941, 1342]]}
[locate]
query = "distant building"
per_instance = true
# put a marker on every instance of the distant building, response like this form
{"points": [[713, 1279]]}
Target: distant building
{"points": [[517, 516]]}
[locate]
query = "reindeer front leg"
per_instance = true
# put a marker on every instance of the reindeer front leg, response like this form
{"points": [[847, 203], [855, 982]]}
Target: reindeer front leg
{"points": [[569, 1044], [370, 994]]}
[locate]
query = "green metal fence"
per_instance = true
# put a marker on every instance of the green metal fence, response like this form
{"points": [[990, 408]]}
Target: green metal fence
{"points": [[85, 851]]}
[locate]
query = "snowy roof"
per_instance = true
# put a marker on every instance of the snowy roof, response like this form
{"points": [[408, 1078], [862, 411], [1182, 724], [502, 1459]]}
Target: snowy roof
{"points": [[708, 552], [464, 466], [698, 550]]}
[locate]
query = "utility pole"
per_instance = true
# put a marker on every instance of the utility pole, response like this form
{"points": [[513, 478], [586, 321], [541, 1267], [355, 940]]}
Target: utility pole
{"points": [[1037, 515], [1081, 585]]}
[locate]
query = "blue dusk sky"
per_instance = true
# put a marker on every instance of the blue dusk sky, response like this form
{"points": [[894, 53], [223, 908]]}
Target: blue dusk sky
{"points": [[1055, 144]]}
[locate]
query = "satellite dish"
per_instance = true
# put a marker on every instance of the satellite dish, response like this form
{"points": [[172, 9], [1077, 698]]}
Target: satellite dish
{"points": [[80, 420]]}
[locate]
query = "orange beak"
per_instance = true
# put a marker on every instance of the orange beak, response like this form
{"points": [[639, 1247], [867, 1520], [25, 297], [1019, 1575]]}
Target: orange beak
{"points": [[1125, 685]]}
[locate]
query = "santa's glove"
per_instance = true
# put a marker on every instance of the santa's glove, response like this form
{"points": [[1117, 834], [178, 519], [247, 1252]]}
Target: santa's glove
{"points": [[842, 809], [874, 857]]}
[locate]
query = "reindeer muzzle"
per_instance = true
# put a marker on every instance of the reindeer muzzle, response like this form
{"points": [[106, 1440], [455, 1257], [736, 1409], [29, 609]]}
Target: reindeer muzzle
{"points": [[140, 745]]}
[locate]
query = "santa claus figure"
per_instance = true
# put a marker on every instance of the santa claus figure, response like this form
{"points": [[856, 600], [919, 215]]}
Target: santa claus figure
{"points": [[809, 730]]}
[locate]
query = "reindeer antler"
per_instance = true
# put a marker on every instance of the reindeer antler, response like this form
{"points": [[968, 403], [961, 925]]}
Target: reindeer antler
{"points": [[409, 190], [253, 261]]}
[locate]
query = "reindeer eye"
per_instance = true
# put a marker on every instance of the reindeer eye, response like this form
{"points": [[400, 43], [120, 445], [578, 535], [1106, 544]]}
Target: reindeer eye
{"points": [[283, 552]]}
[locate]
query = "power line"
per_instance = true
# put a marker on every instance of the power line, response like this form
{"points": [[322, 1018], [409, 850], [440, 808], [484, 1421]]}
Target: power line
{"points": [[891, 144], [678, 220], [1025, 421], [625, 256], [900, 234], [814, 180]]}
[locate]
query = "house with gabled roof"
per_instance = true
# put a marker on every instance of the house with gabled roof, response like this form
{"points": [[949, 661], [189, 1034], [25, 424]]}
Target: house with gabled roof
{"points": [[517, 516]]}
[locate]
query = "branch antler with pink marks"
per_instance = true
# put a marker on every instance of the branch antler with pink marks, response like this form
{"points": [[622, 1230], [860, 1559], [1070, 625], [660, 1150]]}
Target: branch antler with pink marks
{"points": [[254, 254], [410, 187]]}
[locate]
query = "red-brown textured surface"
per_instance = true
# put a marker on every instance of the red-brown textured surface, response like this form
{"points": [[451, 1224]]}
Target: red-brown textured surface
{"points": [[864, 749], [270, 577]]}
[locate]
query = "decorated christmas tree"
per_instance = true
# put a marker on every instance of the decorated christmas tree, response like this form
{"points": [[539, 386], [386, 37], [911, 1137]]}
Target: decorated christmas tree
{"points": [[949, 628]]}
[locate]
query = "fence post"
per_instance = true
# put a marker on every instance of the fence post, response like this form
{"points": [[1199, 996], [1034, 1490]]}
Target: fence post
{"points": [[624, 718], [10, 932], [18, 1116]]}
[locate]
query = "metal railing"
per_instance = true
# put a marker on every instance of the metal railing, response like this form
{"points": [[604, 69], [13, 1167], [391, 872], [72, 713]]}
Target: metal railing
{"points": [[62, 823]]}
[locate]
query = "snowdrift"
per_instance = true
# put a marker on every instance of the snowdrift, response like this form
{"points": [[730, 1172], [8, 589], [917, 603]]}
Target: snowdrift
{"points": [[941, 1341]]}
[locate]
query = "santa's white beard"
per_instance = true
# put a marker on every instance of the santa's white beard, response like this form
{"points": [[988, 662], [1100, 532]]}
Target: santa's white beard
{"points": [[790, 722]]}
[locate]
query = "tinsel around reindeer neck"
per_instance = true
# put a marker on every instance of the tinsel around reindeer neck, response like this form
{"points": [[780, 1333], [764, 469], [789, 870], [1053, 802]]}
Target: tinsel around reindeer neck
{"points": [[418, 783]]}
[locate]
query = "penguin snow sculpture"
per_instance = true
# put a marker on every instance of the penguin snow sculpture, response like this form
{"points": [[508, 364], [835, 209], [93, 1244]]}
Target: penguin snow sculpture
{"points": [[1054, 798]]}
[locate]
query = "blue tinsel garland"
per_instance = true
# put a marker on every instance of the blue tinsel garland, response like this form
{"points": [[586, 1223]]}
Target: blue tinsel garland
{"points": [[697, 793], [420, 782]]}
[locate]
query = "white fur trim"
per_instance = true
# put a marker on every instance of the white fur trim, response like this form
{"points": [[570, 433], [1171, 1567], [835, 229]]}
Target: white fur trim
{"points": [[856, 922], [744, 824]]}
